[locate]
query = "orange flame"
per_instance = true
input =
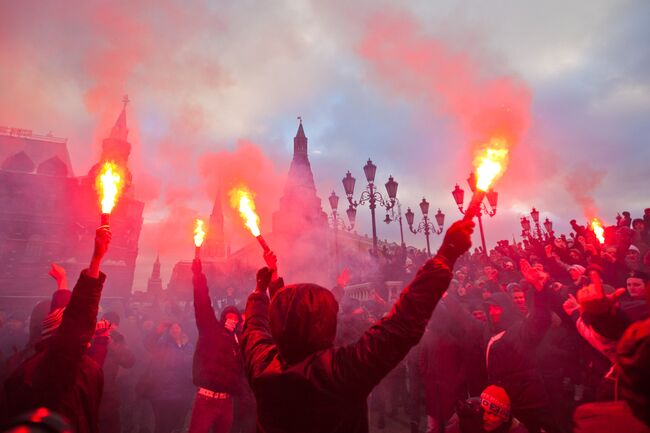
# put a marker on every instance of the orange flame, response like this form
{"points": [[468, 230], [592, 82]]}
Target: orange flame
{"points": [[491, 162], [109, 184], [242, 199], [199, 232], [598, 229]]}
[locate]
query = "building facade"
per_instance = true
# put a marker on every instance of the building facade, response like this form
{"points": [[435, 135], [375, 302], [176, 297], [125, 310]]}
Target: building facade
{"points": [[49, 215]]}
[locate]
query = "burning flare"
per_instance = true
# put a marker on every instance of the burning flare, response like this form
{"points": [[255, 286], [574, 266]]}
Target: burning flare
{"points": [[598, 229], [491, 162], [241, 199], [199, 232], [109, 183]]}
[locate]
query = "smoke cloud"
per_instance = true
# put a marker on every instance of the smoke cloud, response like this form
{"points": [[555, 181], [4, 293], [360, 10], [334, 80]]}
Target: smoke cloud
{"points": [[482, 105], [581, 183]]}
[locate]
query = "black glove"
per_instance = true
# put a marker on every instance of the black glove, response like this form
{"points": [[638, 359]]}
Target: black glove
{"points": [[457, 241], [263, 279]]}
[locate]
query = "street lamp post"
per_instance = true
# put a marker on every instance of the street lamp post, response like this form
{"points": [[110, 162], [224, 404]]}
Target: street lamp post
{"points": [[548, 226], [492, 198], [339, 224], [425, 225], [527, 229], [391, 187], [371, 195]]}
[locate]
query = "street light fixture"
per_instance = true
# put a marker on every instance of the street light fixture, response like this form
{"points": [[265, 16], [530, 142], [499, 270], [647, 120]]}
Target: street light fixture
{"points": [[525, 227], [371, 195], [538, 234], [339, 224], [548, 226], [391, 189], [425, 225], [492, 198]]}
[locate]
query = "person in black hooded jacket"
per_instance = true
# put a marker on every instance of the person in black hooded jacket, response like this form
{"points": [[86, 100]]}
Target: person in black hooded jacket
{"points": [[301, 382], [510, 354], [60, 376], [217, 366]]}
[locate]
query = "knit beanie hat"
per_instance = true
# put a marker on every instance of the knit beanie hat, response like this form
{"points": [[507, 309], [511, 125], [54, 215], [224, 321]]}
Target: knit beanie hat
{"points": [[494, 399], [578, 268], [51, 323]]}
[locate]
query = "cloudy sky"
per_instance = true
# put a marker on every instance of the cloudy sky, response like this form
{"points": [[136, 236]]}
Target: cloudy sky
{"points": [[216, 87]]}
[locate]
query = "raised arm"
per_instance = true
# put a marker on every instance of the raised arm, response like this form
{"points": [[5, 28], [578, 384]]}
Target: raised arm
{"points": [[258, 346], [71, 340], [362, 365], [203, 311]]}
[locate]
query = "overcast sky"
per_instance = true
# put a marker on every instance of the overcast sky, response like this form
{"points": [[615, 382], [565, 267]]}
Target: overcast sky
{"points": [[387, 80]]}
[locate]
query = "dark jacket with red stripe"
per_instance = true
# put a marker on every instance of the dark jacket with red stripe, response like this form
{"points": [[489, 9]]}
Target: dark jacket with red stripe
{"points": [[61, 376], [327, 390], [217, 363]]}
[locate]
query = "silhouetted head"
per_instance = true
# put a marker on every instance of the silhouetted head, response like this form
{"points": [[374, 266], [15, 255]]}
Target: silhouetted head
{"points": [[303, 320]]}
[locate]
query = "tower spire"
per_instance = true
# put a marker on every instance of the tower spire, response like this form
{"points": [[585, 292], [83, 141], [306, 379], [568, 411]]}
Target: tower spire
{"points": [[214, 242], [120, 131], [300, 141]]}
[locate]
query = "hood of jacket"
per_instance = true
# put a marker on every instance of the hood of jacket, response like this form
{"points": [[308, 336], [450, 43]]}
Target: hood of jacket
{"points": [[303, 320]]}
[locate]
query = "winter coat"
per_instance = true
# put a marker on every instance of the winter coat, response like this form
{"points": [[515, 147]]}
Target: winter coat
{"points": [[441, 363], [326, 390], [169, 373], [61, 376], [510, 356], [607, 417], [217, 363]]}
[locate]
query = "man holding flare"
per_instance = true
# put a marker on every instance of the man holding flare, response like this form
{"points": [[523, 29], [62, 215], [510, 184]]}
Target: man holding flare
{"points": [[302, 383]]}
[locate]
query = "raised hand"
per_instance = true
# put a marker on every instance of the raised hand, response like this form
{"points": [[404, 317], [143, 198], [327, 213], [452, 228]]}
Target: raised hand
{"points": [[592, 297], [534, 276], [570, 305], [58, 273], [197, 267], [103, 237], [263, 279], [271, 260], [458, 239]]}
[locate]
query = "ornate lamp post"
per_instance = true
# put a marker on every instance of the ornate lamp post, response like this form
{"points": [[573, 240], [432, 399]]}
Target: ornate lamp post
{"points": [[425, 225], [371, 195], [391, 188], [492, 198], [339, 224], [548, 226], [525, 227], [534, 214], [537, 233]]}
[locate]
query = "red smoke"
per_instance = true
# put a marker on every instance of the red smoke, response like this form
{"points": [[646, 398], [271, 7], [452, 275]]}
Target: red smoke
{"points": [[245, 165], [581, 183], [413, 64]]}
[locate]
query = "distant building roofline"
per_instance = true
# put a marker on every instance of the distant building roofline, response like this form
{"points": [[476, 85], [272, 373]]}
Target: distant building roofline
{"points": [[27, 133]]}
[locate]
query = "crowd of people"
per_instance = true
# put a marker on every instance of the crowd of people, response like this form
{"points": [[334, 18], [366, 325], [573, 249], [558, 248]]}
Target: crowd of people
{"points": [[550, 334]]}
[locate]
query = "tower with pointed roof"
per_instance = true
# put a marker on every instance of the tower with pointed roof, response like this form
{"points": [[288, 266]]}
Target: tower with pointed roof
{"points": [[300, 207], [214, 246], [116, 148], [154, 285]]}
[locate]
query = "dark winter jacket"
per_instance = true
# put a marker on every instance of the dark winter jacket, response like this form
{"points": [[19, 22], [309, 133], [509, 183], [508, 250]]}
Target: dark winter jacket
{"points": [[510, 356], [169, 375], [61, 376], [441, 363], [326, 390], [217, 364], [607, 417]]}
